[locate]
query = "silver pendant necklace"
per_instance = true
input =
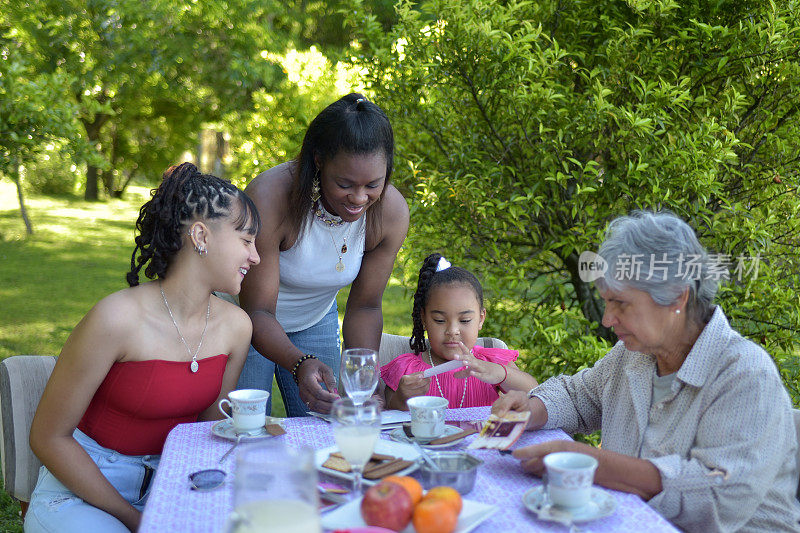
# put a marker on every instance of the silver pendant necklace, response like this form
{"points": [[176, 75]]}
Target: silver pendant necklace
{"points": [[436, 379], [193, 366]]}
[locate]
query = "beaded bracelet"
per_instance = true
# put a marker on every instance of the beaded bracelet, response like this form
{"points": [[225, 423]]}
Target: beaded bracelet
{"points": [[299, 362]]}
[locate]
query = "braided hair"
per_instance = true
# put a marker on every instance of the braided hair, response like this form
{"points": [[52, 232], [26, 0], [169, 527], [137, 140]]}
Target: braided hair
{"points": [[428, 279], [184, 196]]}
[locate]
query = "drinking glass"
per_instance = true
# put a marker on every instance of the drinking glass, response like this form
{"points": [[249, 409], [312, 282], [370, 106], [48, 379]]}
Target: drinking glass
{"points": [[359, 373], [275, 490], [356, 428]]}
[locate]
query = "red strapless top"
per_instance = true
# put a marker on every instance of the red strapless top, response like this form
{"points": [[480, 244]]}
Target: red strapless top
{"points": [[139, 402]]}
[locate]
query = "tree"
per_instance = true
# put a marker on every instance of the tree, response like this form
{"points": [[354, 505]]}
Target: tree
{"points": [[523, 127], [272, 132], [33, 114], [149, 75]]}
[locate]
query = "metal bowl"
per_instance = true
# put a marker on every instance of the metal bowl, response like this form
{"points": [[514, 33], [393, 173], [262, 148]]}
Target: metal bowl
{"points": [[457, 470]]}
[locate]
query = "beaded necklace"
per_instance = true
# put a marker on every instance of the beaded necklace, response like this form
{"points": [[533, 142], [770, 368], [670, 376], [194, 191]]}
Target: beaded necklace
{"points": [[436, 379]]}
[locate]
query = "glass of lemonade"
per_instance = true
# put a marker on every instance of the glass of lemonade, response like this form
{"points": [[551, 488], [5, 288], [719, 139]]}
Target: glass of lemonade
{"points": [[359, 373], [275, 490], [356, 428]]}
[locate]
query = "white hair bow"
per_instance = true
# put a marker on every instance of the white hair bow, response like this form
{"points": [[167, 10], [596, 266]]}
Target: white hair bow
{"points": [[444, 264]]}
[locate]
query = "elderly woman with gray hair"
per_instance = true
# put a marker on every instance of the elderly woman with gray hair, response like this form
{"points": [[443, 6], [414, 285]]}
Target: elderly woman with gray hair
{"points": [[694, 417]]}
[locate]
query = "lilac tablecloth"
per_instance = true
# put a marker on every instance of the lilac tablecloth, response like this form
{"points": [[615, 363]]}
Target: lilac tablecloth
{"points": [[191, 447]]}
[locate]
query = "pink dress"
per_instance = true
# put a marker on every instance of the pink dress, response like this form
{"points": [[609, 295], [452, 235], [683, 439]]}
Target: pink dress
{"points": [[478, 393]]}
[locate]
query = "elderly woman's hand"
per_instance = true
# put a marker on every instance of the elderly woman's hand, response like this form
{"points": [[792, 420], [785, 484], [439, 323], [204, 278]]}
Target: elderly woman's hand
{"points": [[531, 458], [511, 401], [519, 401]]}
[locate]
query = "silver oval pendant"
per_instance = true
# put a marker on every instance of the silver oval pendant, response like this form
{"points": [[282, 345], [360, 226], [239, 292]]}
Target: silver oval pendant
{"points": [[340, 266], [194, 366]]}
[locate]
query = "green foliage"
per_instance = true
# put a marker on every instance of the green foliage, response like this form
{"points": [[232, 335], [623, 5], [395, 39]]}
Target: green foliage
{"points": [[272, 131], [52, 173], [524, 127], [143, 81], [33, 113]]}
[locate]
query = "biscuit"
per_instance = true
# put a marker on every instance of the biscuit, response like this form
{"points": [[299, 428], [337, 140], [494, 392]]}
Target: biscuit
{"points": [[387, 469]]}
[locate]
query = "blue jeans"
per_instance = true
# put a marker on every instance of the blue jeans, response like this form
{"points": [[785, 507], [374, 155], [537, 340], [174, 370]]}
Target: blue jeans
{"points": [[55, 508], [321, 340]]}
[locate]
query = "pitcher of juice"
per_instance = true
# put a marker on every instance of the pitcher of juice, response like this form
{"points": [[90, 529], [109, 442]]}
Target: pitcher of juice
{"points": [[275, 490]]}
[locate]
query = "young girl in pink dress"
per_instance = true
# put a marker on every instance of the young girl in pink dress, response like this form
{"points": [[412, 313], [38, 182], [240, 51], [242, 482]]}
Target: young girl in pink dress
{"points": [[448, 305]]}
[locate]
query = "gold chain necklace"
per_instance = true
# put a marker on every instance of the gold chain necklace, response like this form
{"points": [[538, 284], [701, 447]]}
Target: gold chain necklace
{"points": [[341, 251]]}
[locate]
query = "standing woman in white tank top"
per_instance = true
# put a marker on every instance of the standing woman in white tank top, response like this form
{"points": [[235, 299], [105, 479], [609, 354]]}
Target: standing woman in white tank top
{"points": [[330, 219]]}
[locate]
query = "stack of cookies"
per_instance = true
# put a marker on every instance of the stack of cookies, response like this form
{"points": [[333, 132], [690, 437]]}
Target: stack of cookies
{"points": [[378, 467]]}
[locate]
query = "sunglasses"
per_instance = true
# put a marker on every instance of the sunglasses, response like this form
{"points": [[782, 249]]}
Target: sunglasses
{"points": [[205, 480]]}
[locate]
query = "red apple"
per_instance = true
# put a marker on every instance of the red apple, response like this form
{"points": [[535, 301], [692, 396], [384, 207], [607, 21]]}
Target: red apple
{"points": [[387, 505]]}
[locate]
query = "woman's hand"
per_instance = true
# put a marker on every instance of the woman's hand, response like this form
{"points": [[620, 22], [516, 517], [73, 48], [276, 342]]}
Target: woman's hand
{"points": [[512, 401], [311, 375], [488, 372], [132, 519], [518, 401], [532, 457], [614, 470]]}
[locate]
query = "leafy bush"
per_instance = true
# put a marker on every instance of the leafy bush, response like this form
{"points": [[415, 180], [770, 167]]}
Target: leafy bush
{"points": [[524, 127], [51, 173]]}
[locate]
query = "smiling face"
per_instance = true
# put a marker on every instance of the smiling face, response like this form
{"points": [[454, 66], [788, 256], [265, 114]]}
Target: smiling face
{"points": [[452, 314], [639, 322], [231, 253], [351, 183]]}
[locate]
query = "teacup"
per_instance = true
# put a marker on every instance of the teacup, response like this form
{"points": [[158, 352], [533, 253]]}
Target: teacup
{"points": [[569, 478], [249, 408], [427, 416]]}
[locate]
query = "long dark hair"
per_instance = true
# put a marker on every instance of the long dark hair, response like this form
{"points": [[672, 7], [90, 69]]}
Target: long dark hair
{"points": [[184, 195], [352, 125], [428, 279]]}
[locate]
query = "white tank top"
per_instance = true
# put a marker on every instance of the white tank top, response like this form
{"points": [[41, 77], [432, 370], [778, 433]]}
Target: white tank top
{"points": [[309, 280]]}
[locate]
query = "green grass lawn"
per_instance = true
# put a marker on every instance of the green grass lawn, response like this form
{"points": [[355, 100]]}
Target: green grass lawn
{"points": [[80, 252]]}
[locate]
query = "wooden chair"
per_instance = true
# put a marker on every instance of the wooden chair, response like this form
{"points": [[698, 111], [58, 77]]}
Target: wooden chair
{"points": [[796, 414], [394, 345], [22, 381]]}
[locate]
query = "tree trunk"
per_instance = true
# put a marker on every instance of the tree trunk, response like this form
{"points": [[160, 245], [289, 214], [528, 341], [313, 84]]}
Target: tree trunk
{"points": [[92, 172], [590, 306], [128, 174], [200, 150], [91, 183], [219, 167], [22, 211]]}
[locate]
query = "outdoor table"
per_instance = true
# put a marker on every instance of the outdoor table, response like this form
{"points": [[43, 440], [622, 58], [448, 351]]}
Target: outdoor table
{"points": [[172, 506]]}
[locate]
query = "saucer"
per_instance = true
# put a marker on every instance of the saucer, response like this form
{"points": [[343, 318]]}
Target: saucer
{"points": [[399, 435], [601, 504], [224, 429]]}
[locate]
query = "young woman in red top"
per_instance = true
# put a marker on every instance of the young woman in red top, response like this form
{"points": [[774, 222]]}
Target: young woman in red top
{"points": [[146, 358]]}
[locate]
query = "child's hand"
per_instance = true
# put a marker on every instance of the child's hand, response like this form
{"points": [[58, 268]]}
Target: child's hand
{"points": [[491, 373], [412, 385]]}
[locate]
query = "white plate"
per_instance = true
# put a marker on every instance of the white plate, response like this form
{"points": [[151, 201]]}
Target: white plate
{"points": [[390, 417], [349, 516], [400, 436], [601, 504], [397, 449], [224, 429]]}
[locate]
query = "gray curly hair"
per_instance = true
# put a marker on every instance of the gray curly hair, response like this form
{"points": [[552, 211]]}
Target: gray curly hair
{"points": [[670, 260]]}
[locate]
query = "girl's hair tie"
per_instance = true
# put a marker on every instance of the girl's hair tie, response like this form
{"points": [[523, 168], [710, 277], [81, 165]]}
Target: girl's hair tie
{"points": [[444, 264]]}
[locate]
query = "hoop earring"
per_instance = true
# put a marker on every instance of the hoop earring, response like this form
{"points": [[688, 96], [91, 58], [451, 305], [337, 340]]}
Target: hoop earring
{"points": [[315, 194], [201, 250]]}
